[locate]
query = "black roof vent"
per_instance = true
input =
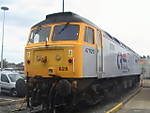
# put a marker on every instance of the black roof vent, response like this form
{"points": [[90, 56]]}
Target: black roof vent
{"points": [[62, 14], [63, 17]]}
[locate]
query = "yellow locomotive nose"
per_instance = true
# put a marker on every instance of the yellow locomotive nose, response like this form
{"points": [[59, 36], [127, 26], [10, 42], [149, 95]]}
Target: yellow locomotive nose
{"points": [[51, 60], [55, 50]]}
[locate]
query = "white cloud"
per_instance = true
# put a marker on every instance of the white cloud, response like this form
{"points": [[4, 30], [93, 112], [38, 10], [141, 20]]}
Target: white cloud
{"points": [[14, 43]]}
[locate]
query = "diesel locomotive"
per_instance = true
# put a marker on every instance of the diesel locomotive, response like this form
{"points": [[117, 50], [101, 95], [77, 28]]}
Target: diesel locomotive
{"points": [[69, 61]]}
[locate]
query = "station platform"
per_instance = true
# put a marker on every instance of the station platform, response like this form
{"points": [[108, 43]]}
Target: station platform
{"points": [[140, 103]]}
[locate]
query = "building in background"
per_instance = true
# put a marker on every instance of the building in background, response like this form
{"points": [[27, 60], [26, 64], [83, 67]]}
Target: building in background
{"points": [[145, 66], [13, 66]]}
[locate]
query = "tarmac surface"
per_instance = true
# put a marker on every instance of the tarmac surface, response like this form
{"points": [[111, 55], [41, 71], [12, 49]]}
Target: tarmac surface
{"points": [[6, 97], [139, 103], [104, 107], [7, 103]]}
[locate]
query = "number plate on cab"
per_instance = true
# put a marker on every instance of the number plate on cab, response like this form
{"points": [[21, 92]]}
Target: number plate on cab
{"points": [[63, 68]]}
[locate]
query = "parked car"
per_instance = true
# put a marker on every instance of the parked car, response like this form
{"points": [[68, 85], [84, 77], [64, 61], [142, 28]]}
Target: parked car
{"points": [[12, 83]]}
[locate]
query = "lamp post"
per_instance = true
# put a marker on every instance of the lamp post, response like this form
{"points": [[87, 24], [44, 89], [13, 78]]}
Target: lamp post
{"points": [[63, 6], [4, 9]]}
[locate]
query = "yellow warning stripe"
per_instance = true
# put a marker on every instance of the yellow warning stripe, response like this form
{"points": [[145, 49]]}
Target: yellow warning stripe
{"points": [[116, 108], [120, 105]]}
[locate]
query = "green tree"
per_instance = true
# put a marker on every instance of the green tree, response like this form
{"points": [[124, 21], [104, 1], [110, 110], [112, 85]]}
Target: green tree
{"points": [[5, 63]]}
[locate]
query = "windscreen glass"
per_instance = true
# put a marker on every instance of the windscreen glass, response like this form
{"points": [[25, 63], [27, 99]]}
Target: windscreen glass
{"points": [[15, 77], [65, 32], [39, 35]]}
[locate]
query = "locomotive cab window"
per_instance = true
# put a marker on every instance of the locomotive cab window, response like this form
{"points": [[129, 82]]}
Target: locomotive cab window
{"points": [[65, 32], [39, 35], [89, 35]]}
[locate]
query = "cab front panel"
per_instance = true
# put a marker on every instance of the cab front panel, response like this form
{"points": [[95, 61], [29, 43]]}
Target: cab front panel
{"points": [[61, 60], [55, 50]]}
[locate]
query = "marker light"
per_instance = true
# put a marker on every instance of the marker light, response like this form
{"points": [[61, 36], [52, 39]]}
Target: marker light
{"points": [[28, 61], [70, 61]]}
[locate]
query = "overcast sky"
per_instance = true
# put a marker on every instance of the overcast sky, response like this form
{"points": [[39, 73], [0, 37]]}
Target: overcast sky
{"points": [[127, 20]]}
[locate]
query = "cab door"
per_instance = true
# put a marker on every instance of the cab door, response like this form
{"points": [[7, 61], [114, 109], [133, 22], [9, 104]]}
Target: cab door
{"points": [[99, 56], [89, 53]]}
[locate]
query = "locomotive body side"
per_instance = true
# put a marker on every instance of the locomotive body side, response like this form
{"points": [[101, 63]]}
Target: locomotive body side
{"points": [[119, 60], [109, 58]]}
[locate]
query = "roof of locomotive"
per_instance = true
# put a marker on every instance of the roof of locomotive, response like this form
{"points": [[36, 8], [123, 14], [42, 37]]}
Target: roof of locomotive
{"points": [[63, 17], [71, 17]]}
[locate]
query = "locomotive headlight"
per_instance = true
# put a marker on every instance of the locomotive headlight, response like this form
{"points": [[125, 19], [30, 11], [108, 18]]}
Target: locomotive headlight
{"points": [[58, 57], [50, 70]]}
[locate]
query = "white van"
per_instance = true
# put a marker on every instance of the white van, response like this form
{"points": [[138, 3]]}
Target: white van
{"points": [[8, 81]]}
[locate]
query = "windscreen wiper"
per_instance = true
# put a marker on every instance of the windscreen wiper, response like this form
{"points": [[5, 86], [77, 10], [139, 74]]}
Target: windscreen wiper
{"points": [[65, 26]]}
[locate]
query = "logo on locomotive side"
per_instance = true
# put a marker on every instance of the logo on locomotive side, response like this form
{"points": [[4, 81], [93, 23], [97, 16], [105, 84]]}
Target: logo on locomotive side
{"points": [[122, 62]]}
